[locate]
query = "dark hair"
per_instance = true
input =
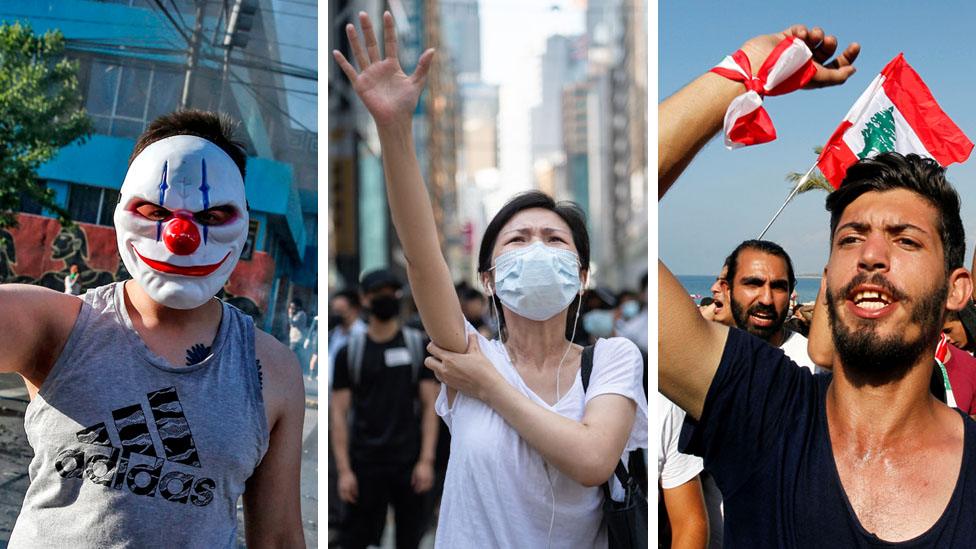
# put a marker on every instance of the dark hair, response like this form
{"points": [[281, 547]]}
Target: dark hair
{"points": [[214, 127], [764, 246], [467, 293], [297, 303], [569, 212], [705, 302], [350, 295], [923, 176]]}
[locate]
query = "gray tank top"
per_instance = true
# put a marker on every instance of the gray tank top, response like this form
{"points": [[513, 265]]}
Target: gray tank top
{"points": [[131, 451]]}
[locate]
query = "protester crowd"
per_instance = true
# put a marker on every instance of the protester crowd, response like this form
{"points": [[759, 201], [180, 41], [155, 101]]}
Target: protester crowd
{"points": [[381, 437], [845, 422], [546, 410]]}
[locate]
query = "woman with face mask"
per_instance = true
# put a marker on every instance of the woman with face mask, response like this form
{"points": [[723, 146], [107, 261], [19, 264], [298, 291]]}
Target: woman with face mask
{"points": [[529, 449]]}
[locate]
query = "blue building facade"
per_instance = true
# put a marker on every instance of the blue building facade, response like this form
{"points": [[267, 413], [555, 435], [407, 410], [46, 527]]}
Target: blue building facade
{"points": [[132, 68]]}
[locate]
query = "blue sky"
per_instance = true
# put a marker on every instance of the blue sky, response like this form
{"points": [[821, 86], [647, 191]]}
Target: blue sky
{"points": [[725, 196]]}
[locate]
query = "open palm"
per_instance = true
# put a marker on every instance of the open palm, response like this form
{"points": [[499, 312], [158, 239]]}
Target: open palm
{"points": [[388, 93]]}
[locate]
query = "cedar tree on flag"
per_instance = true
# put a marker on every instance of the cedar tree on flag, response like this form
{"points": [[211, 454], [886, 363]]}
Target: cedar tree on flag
{"points": [[896, 113]]}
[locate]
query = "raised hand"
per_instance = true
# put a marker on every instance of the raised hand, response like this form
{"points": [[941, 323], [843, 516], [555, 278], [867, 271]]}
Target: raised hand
{"points": [[389, 94], [823, 46]]}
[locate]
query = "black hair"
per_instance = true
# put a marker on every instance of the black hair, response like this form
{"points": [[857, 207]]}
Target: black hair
{"points": [[764, 246], [923, 176], [569, 212], [467, 293], [297, 303], [214, 127], [350, 295]]}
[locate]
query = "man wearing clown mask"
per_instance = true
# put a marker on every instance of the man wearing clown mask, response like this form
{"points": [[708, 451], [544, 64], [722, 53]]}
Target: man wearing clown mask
{"points": [[155, 406]]}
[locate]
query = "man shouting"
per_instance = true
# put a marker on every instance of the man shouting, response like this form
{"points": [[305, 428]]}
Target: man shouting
{"points": [[865, 456]]}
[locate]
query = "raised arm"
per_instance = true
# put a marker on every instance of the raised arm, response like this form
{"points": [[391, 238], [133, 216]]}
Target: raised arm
{"points": [[36, 325], [690, 348], [391, 97], [820, 343]]}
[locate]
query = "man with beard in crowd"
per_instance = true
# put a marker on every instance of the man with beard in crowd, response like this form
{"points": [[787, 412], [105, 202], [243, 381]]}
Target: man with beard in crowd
{"points": [[760, 280], [864, 456]]}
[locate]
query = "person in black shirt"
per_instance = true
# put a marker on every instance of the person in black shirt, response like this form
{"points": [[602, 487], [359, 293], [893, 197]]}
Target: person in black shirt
{"points": [[385, 453], [866, 456]]}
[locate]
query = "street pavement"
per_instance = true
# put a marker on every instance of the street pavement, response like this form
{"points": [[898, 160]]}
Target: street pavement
{"points": [[15, 456]]}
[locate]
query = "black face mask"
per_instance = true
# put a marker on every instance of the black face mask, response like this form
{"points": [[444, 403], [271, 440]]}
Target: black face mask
{"points": [[384, 307]]}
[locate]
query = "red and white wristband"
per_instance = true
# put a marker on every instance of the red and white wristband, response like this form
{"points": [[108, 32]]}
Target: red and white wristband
{"points": [[788, 68]]}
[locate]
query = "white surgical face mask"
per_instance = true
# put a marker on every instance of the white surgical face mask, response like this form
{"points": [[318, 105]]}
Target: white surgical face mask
{"points": [[178, 260], [537, 281], [630, 310], [598, 323]]}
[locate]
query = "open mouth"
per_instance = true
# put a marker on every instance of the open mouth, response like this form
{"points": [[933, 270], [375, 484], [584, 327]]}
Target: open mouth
{"points": [[870, 302], [762, 319], [169, 268]]}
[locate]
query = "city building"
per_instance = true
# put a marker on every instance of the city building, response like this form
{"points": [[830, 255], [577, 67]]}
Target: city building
{"points": [[133, 66], [361, 233]]}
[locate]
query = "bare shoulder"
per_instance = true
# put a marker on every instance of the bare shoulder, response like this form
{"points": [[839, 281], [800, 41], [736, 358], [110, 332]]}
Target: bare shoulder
{"points": [[44, 319], [39, 301], [281, 377]]}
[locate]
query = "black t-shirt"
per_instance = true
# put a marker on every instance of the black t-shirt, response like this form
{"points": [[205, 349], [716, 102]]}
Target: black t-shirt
{"points": [[763, 436], [385, 403]]}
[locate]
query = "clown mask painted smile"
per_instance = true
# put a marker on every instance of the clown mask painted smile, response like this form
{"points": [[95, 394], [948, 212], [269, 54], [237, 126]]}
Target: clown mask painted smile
{"points": [[181, 220]]}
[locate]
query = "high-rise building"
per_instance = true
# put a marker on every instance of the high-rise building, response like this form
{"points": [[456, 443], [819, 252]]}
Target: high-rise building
{"points": [[563, 62], [616, 113], [461, 35], [361, 232]]}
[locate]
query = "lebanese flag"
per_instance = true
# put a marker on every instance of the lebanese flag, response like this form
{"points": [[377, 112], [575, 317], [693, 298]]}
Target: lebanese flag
{"points": [[896, 113]]}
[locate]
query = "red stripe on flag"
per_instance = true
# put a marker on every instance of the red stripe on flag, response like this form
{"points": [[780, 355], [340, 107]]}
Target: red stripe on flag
{"points": [[940, 135], [942, 348], [836, 156]]}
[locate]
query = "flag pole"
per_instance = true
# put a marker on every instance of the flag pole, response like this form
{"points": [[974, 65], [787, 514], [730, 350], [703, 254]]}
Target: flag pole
{"points": [[802, 180]]}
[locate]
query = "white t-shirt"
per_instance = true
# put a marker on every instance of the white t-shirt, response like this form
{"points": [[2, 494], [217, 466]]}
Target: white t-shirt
{"points": [[673, 467], [795, 348], [496, 493]]}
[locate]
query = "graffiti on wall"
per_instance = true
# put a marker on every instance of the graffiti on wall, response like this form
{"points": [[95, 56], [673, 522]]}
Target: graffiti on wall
{"points": [[39, 251]]}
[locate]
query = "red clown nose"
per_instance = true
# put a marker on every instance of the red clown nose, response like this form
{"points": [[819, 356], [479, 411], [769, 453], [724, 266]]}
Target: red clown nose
{"points": [[181, 235]]}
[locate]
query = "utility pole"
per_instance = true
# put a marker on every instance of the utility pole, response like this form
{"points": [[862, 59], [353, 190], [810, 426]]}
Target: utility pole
{"points": [[194, 52], [240, 20]]}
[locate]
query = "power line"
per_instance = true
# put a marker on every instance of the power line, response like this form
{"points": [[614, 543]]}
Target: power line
{"points": [[300, 3], [179, 14], [305, 75], [176, 25], [285, 69], [282, 44], [277, 61], [268, 86], [269, 103], [293, 14]]}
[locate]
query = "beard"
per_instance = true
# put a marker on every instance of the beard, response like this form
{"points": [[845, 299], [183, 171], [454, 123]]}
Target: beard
{"points": [[869, 358], [765, 333]]}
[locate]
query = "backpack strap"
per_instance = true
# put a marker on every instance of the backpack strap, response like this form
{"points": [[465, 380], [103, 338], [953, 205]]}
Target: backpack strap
{"points": [[586, 366], [354, 356], [415, 345]]}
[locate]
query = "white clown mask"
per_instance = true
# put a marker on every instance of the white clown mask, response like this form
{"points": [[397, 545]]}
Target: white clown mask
{"points": [[181, 220]]}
